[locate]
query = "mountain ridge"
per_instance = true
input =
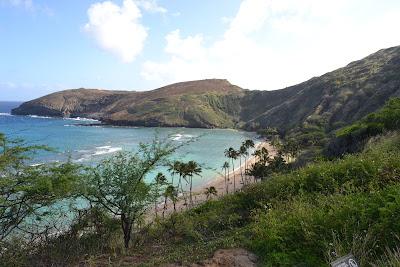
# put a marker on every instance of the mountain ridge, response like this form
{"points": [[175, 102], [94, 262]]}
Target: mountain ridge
{"points": [[336, 98]]}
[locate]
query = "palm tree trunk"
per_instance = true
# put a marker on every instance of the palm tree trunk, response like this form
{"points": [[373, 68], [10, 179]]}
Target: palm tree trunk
{"points": [[245, 169], [227, 184], [234, 177], [190, 192], [226, 188], [241, 172], [165, 207]]}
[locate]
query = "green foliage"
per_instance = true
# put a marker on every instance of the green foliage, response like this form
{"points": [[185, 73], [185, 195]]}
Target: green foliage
{"points": [[118, 183], [352, 138], [301, 231], [28, 191], [307, 217]]}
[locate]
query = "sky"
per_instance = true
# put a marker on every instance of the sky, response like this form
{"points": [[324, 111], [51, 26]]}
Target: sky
{"points": [[47, 45]]}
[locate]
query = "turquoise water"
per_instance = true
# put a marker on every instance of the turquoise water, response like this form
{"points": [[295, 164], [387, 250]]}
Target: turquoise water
{"points": [[89, 144]]}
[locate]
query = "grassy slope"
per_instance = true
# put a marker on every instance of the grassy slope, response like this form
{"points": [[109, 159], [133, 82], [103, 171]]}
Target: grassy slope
{"points": [[351, 204], [305, 217], [300, 218]]}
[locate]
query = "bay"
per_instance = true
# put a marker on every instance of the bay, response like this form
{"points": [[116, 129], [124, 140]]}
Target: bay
{"points": [[91, 144]]}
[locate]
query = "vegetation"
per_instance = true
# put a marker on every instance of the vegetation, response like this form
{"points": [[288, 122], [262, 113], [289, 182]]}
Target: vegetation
{"points": [[293, 216], [28, 191], [118, 184], [232, 154], [306, 217], [352, 138]]}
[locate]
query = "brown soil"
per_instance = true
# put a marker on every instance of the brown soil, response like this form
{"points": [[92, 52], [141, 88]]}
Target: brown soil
{"points": [[226, 258]]}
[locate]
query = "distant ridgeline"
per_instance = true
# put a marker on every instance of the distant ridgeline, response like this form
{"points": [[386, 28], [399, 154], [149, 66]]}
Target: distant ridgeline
{"points": [[327, 102]]}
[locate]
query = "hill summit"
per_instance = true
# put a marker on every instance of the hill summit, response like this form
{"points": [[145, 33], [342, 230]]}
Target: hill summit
{"points": [[336, 98]]}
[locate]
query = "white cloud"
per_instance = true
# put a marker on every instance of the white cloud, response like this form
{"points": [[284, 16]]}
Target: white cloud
{"points": [[117, 29], [189, 48], [151, 6], [270, 44]]}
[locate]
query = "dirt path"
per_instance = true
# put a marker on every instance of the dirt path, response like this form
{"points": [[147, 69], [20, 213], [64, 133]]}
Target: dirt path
{"points": [[226, 258]]}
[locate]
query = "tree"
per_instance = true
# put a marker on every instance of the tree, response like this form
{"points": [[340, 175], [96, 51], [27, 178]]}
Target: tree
{"points": [[174, 168], [247, 144], [178, 167], [118, 184], [171, 193], [211, 191], [28, 191], [225, 167], [232, 154], [290, 148], [262, 155], [266, 166], [242, 153], [160, 181], [258, 170], [192, 168]]}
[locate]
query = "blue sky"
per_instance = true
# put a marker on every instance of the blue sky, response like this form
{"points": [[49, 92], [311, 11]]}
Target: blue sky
{"points": [[46, 46]]}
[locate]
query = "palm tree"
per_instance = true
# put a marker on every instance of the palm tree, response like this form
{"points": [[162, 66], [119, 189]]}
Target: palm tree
{"points": [[263, 157], [173, 169], [178, 167], [247, 144], [225, 167], [171, 193], [242, 153], [232, 154], [160, 181], [291, 149], [192, 168], [210, 191], [183, 171]]}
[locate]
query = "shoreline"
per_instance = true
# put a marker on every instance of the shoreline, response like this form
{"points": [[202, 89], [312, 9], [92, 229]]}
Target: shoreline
{"points": [[99, 122], [218, 181]]}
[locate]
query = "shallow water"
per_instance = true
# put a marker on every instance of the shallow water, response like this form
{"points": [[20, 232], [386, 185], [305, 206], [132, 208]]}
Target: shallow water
{"points": [[91, 144]]}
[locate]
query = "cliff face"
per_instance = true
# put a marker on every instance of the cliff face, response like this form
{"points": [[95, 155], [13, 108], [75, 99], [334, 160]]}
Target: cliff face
{"points": [[338, 97]]}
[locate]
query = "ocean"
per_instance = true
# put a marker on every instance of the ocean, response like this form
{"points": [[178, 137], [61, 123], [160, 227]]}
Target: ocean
{"points": [[91, 144]]}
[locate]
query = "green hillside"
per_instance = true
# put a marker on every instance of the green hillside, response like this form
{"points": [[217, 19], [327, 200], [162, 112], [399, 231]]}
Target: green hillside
{"points": [[329, 101], [305, 216]]}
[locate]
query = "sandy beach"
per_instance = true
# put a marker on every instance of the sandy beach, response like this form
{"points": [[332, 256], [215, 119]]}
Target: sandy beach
{"points": [[218, 182]]}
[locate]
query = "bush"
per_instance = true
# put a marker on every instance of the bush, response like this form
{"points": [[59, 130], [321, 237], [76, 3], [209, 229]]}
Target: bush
{"points": [[352, 138], [302, 232]]}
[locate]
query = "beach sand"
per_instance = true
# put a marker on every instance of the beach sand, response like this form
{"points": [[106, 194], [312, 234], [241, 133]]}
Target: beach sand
{"points": [[218, 182]]}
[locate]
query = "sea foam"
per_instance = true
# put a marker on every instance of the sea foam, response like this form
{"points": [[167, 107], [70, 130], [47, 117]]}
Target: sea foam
{"points": [[102, 150]]}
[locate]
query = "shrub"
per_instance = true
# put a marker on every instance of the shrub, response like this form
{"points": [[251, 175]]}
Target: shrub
{"points": [[302, 232]]}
